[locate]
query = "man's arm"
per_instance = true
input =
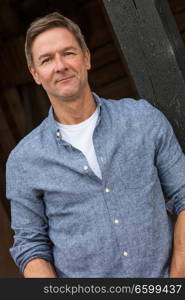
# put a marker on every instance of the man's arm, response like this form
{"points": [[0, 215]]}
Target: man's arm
{"points": [[178, 256], [31, 250], [39, 268], [170, 163]]}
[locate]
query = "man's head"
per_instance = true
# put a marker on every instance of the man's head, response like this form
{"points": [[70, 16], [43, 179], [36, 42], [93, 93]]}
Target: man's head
{"points": [[58, 57], [47, 22]]}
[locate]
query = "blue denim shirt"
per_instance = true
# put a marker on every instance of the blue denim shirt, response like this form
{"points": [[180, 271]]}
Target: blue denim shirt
{"points": [[88, 227]]}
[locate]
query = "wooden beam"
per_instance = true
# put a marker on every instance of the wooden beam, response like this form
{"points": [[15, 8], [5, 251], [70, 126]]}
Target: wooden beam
{"points": [[155, 53]]}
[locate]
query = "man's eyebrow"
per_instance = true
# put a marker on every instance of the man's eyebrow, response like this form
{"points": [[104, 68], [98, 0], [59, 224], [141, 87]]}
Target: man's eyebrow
{"points": [[63, 50], [44, 55], [70, 48]]}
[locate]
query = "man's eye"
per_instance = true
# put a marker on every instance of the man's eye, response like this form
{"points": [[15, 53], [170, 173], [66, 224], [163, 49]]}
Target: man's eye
{"points": [[46, 60], [68, 53]]}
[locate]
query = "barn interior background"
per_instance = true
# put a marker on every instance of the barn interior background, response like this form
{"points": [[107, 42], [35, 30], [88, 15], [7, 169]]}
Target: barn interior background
{"points": [[23, 104]]}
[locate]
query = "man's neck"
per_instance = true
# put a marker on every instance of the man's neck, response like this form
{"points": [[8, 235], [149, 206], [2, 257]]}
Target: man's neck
{"points": [[76, 111]]}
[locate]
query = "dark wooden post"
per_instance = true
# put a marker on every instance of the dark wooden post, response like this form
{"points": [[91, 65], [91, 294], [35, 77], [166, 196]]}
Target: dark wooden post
{"points": [[155, 54]]}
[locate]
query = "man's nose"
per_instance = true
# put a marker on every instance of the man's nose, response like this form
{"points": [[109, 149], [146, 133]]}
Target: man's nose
{"points": [[60, 64]]}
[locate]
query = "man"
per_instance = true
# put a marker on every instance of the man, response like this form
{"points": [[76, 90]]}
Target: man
{"points": [[86, 186]]}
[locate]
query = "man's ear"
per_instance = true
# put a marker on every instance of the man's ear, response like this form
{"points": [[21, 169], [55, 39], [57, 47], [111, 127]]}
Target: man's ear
{"points": [[88, 59], [34, 74]]}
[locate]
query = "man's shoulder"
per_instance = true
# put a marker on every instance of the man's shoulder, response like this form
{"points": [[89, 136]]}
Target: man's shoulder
{"points": [[132, 106], [30, 142], [138, 113]]}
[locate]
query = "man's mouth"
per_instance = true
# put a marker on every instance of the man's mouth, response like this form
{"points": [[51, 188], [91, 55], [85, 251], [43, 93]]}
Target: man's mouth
{"points": [[65, 79]]}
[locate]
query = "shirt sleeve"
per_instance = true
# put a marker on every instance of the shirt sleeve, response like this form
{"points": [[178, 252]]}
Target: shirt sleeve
{"points": [[28, 218], [170, 162]]}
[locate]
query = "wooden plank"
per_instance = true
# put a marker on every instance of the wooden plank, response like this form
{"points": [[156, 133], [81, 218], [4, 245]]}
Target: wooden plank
{"points": [[42, 105], [7, 266], [106, 74], [180, 20], [183, 36], [177, 5], [5, 203], [1, 177], [10, 24], [7, 141], [118, 89], [36, 105], [103, 55], [98, 31], [15, 107], [13, 63]]}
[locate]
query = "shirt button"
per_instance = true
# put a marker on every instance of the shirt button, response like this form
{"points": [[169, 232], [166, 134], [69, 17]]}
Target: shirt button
{"points": [[107, 190], [58, 133], [86, 168], [125, 253], [116, 221]]}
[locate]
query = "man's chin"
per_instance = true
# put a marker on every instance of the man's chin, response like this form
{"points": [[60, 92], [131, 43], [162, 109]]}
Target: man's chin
{"points": [[68, 97]]}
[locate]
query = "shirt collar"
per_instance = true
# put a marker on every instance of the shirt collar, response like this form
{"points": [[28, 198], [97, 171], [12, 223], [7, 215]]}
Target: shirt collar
{"points": [[53, 124]]}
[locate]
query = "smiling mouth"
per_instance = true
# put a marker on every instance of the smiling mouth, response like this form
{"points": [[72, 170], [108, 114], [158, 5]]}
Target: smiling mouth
{"points": [[64, 79]]}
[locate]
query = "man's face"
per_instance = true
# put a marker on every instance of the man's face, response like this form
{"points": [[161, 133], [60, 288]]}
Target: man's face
{"points": [[59, 64]]}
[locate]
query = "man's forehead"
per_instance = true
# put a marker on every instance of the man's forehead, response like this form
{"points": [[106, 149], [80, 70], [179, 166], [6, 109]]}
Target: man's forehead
{"points": [[54, 39], [53, 33]]}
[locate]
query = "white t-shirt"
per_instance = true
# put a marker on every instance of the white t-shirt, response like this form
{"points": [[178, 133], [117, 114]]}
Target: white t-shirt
{"points": [[80, 136]]}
